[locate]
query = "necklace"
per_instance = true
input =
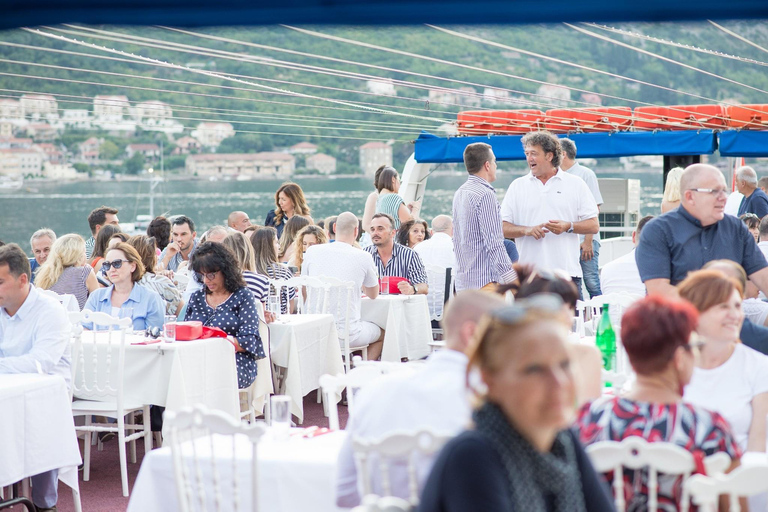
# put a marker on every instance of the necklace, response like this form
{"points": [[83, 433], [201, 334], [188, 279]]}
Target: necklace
{"points": [[215, 305]]}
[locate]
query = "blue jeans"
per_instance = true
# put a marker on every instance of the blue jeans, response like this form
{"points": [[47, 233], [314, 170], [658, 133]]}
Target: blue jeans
{"points": [[511, 248], [591, 272], [577, 282], [45, 492]]}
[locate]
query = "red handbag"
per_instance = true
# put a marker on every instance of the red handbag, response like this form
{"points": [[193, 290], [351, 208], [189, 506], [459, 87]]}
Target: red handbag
{"points": [[187, 331]]}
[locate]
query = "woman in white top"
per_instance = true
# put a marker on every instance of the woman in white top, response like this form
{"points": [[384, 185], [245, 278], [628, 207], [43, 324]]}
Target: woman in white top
{"points": [[730, 378]]}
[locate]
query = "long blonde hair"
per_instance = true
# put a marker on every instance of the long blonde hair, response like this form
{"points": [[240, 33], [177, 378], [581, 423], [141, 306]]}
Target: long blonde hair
{"points": [[239, 245], [296, 195], [672, 188], [67, 251], [298, 253], [292, 228]]}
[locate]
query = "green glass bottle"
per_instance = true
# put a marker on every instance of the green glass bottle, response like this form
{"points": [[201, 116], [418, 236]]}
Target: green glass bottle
{"points": [[606, 340]]}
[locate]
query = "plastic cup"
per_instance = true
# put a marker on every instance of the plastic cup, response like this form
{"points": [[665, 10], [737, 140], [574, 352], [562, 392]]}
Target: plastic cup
{"points": [[169, 329], [281, 416], [274, 306], [384, 285]]}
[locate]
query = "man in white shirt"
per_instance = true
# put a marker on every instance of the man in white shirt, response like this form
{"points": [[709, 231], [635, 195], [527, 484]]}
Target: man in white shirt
{"points": [[438, 250], [546, 210], [621, 275], [347, 263], [434, 398], [589, 244], [34, 338]]}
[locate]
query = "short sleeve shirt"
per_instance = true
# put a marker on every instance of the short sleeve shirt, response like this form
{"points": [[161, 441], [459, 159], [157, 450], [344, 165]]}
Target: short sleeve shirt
{"points": [[403, 263], [589, 177], [676, 243], [756, 203]]}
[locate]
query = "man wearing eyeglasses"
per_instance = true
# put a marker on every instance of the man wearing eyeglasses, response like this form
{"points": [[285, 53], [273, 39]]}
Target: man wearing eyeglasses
{"points": [[755, 200], [697, 232]]}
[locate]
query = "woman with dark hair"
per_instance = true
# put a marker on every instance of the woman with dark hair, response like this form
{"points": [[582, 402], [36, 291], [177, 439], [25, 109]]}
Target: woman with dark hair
{"points": [[413, 232], [287, 239], [265, 248], [101, 245], [164, 287], [658, 335], [389, 201], [160, 230], [370, 201], [520, 454], [225, 302], [752, 222], [289, 201]]}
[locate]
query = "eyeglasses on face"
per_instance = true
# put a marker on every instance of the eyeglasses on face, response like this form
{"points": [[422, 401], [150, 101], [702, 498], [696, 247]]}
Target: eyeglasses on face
{"points": [[714, 192], [210, 276], [115, 263]]}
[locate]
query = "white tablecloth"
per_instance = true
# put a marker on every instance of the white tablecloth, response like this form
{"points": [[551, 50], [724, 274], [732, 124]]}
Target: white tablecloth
{"points": [[298, 475], [307, 346], [37, 433], [175, 375], [406, 324]]}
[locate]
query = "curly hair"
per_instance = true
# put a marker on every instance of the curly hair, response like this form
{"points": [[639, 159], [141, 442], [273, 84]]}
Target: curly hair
{"points": [[214, 257], [548, 142], [292, 228], [403, 233], [296, 195], [319, 234]]}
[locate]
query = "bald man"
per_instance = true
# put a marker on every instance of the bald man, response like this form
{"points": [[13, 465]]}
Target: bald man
{"points": [[755, 200], [238, 221], [434, 397], [685, 239], [439, 248]]}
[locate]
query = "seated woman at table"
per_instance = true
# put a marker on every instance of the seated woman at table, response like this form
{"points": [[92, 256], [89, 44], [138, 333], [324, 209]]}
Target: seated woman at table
{"points": [[413, 232], [307, 237], [730, 378], [101, 245], [520, 455], [265, 248], [66, 270], [288, 239], [125, 270], [164, 287], [241, 248], [587, 360], [658, 335], [225, 302]]}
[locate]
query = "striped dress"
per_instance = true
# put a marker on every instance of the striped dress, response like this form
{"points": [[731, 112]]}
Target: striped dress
{"points": [[72, 281], [258, 284], [389, 203]]}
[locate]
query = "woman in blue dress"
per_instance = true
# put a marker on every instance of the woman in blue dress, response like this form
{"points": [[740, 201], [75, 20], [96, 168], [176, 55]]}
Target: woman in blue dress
{"points": [[225, 302]]}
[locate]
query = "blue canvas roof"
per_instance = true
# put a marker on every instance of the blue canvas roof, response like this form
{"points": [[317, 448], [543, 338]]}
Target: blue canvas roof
{"points": [[433, 149]]}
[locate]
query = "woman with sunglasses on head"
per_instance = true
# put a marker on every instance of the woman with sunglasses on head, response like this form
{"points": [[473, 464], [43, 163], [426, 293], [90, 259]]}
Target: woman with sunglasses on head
{"points": [[520, 455], [658, 335], [125, 269], [226, 302]]}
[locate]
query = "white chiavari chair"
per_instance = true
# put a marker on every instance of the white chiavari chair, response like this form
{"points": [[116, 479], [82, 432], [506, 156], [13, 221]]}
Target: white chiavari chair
{"points": [[743, 482], [206, 473], [332, 386], [258, 393], [98, 390], [373, 503]]}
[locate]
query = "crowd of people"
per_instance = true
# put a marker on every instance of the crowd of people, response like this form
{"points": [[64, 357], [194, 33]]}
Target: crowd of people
{"points": [[521, 400]]}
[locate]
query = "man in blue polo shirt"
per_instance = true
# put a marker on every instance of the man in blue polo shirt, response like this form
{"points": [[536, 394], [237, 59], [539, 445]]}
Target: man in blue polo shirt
{"points": [[697, 232], [755, 200]]}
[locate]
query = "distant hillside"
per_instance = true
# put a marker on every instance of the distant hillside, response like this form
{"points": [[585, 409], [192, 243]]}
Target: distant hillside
{"points": [[267, 114]]}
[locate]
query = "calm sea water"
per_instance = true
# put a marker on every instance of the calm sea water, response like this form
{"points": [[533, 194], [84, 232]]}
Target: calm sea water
{"points": [[65, 207]]}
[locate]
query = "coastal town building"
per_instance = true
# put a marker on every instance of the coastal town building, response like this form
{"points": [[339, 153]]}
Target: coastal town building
{"points": [[186, 145], [53, 153], [443, 97], [384, 87], [61, 171], [76, 119], [303, 148], [326, 164], [41, 132], [39, 106], [373, 155], [15, 143], [211, 134], [110, 109], [149, 151], [7, 128], [89, 150], [22, 161], [266, 164], [11, 109]]}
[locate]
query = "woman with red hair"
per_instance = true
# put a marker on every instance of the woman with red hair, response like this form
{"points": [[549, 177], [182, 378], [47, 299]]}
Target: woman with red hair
{"points": [[658, 335]]}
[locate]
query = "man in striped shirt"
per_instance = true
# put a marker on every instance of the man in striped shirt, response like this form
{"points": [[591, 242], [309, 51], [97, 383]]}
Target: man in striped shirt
{"points": [[396, 260], [481, 260]]}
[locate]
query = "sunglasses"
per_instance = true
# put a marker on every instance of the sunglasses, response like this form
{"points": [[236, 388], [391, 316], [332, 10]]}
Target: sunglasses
{"points": [[511, 315], [116, 264]]}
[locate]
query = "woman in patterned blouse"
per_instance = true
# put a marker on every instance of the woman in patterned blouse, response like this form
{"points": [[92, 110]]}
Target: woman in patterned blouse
{"points": [[225, 302], [657, 335]]}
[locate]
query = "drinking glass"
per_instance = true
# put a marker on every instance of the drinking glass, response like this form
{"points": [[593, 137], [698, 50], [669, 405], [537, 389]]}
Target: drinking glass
{"points": [[169, 329], [127, 312], [274, 306], [280, 414], [384, 285], [577, 326]]}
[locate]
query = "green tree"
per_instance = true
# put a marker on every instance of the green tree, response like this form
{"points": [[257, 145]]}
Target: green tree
{"points": [[134, 164], [109, 150]]}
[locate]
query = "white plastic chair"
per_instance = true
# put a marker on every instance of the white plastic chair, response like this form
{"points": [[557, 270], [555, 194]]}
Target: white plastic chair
{"points": [[199, 485], [386, 367], [636, 453], [67, 300], [373, 503], [744, 481], [308, 290], [338, 303], [258, 393], [395, 449], [437, 278], [98, 390], [331, 386]]}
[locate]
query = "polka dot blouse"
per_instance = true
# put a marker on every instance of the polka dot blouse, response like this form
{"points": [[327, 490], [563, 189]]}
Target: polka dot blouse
{"points": [[238, 317]]}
